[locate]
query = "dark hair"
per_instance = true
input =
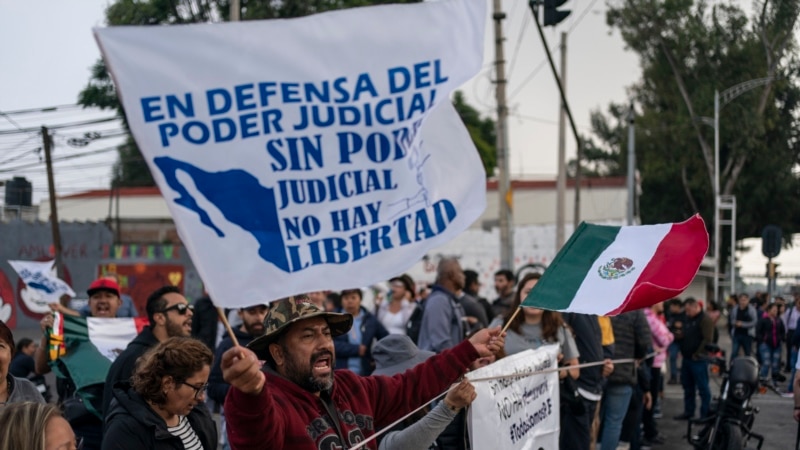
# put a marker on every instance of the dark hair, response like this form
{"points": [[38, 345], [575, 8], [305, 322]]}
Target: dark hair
{"points": [[509, 275], [156, 302], [470, 276], [689, 301], [770, 306], [352, 291], [408, 282], [177, 357], [6, 335], [336, 299], [24, 342], [551, 320]]}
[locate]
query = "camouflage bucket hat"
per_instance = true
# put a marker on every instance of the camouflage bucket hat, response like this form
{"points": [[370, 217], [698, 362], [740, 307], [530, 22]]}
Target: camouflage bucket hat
{"points": [[290, 310]]}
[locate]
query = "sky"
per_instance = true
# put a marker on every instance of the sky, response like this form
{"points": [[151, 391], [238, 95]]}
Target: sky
{"points": [[49, 49]]}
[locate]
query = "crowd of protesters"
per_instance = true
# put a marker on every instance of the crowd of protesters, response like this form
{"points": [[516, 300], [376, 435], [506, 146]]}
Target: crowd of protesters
{"points": [[325, 370]]}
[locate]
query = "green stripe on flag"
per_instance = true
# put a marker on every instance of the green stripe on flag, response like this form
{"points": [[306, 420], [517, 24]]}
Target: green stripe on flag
{"points": [[87, 367], [562, 279]]}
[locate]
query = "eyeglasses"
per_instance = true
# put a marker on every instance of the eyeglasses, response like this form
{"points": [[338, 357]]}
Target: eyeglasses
{"points": [[181, 308], [198, 390]]}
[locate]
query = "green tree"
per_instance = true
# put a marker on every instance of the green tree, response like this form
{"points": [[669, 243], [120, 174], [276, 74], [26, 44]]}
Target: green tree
{"points": [[482, 131], [131, 168], [687, 49]]}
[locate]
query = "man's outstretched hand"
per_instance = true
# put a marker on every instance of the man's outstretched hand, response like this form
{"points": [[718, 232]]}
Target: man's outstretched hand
{"points": [[488, 341], [241, 369]]}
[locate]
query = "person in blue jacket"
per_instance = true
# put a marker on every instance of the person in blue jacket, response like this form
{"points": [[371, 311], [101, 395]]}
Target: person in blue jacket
{"points": [[354, 348]]}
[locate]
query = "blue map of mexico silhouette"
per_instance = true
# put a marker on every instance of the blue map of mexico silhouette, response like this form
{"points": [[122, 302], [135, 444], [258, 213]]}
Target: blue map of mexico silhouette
{"points": [[241, 199], [244, 202]]}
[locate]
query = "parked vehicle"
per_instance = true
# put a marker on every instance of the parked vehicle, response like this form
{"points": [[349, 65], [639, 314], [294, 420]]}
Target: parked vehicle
{"points": [[729, 425]]}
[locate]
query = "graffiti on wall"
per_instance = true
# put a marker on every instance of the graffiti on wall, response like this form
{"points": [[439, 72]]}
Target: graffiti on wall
{"points": [[140, 279]]}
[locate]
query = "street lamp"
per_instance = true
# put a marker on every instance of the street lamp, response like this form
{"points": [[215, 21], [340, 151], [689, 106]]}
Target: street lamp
{"points": [[727, 96]]}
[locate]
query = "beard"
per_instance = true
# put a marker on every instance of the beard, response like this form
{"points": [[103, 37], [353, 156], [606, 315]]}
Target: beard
{"points": [[254, 329], [302, 375], [175, 329]]}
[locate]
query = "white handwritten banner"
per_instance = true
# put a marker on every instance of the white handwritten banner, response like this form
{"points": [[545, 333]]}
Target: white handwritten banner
{"points": [[307, 154], [520, 412], [41, 278]]}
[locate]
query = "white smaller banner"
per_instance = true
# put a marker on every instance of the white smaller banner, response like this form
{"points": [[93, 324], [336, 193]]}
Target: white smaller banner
{"points": [[112, 336], [41, 277], [518, 412]]}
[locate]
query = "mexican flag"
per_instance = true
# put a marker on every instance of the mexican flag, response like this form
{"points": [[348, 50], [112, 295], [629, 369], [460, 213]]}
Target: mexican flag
{"points": [[607, 270], [85, 348]]}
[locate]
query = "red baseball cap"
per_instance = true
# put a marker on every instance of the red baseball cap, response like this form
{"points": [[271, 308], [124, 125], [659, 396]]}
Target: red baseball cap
{"points": [[103, 284]]}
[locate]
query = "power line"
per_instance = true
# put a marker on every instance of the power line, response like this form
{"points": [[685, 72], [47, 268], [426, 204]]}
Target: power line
{"points": [[60, 127], [21, 155], [41, 110], [555, 50], [519, 43], [63, 158]]}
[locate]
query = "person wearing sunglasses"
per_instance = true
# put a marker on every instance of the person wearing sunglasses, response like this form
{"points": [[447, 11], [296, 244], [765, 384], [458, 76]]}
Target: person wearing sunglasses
{"points": [[161, 408], [170, 315]]}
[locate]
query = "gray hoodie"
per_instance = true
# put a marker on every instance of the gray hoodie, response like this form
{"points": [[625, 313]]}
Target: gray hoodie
{"points": [[23, 390]]}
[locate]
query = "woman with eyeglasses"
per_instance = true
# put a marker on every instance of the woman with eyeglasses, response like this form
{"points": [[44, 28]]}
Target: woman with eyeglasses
{"points": [[163, 408], [35, 426]]}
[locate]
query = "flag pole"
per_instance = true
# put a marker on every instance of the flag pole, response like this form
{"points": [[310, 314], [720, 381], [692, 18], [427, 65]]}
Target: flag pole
{"points": [[513, 316], [224, 319]]}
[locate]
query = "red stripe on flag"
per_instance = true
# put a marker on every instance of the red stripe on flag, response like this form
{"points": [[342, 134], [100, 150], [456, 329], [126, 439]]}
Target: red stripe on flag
{"points": [[672, 268], [140, 323]]}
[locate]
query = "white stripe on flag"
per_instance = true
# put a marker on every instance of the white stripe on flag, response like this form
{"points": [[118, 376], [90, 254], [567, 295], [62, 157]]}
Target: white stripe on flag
{"points": [[111, 336], [638, 243]]}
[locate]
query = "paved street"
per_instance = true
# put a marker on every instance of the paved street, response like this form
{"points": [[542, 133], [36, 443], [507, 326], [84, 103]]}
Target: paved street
{"points": [[774, 421]]}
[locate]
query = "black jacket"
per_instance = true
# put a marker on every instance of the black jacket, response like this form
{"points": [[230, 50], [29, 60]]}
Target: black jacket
{"points": [[122, 367], [132, 425], [631, 339], [217, 387], [698, 331], [588, 339], [764, 332]]}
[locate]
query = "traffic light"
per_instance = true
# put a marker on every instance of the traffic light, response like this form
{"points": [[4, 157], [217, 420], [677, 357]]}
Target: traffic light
{"points": [[552, 16], [772, 270], [771, 241]]}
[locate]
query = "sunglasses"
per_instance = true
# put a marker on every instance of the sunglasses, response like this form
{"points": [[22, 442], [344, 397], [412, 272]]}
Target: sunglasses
{"points": [[198, 390], [181, 308]]}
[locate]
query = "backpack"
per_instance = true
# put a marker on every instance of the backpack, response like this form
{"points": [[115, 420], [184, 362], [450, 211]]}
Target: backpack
{"points": [[414, 323]]}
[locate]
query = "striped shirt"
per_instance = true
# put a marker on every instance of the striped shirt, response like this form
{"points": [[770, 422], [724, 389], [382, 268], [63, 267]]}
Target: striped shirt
{"points": [[185, 432]]}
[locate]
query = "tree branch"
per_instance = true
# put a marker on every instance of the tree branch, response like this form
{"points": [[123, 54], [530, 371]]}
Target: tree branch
{"points": [[707, 151], [686, 190]]}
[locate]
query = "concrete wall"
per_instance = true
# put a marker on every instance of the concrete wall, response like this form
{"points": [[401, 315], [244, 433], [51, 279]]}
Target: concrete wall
{"points": [[88, 252], [82, 245]]}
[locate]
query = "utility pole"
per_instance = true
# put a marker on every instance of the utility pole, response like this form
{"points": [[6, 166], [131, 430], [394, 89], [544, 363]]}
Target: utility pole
{"points": [[236, 10], [631, 164], [552, 16], [51, 187], [504, 178], [561, 180]]}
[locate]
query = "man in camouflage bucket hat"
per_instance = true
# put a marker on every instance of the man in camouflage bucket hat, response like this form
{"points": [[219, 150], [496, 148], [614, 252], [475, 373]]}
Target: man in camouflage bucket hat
{"points": [[298, 401]]}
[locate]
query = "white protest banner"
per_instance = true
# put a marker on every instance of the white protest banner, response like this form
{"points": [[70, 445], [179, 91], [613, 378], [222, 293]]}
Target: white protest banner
{"points": [[519, 412], [41, 278], [307, 154]]}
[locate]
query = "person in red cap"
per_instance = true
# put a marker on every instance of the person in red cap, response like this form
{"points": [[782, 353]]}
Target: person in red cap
{"points": [[300, 402], [104, 302]]}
